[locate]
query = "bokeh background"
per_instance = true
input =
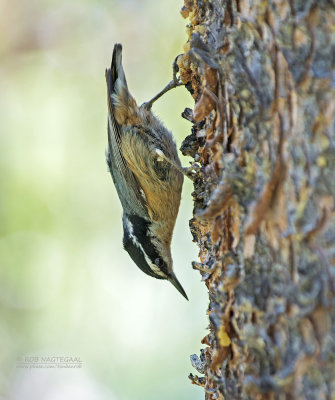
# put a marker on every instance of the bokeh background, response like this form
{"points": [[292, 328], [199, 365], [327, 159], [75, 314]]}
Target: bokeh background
{"points": [[67, 288]]}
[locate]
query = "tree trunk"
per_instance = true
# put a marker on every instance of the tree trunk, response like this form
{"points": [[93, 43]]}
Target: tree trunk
{"points": [[263, 79]]}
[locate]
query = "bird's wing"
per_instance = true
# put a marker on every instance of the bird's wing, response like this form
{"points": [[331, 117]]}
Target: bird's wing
{"points": [[129, 190]]}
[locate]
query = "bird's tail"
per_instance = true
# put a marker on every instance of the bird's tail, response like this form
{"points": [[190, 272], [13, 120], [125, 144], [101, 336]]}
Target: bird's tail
{"points": [[122, 106], [116, 70]]}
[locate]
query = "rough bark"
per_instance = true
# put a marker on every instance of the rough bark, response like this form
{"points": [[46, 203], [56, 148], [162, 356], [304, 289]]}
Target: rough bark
{"points": [[263, 79]]}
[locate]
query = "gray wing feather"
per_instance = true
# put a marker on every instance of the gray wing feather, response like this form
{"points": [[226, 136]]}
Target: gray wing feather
{"points": [[127, 187], [130, 193]]}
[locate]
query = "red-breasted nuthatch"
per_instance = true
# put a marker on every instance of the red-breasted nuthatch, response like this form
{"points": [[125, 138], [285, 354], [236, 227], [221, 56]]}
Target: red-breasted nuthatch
{"points": [[144, 164]]}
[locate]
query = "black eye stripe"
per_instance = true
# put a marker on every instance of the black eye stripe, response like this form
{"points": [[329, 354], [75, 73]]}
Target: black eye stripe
{"points": [[138, 257], [137, 240]]}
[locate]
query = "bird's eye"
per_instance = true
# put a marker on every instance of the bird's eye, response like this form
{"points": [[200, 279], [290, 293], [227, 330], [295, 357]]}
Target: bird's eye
{"points": [[159, 262]]}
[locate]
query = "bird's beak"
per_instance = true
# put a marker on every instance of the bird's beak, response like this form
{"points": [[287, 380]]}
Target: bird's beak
{"points": [[173, 279]]}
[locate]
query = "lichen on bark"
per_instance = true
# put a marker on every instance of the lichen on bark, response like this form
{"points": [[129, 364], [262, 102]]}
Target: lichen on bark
{"points": [[262, 75]]}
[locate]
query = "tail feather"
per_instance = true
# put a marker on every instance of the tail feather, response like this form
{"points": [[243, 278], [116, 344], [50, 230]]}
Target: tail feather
{"points": [[122, 106], [116, 70], [116, 61]]}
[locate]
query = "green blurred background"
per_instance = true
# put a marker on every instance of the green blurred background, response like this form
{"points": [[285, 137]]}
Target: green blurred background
{"points": [[67, 286]]}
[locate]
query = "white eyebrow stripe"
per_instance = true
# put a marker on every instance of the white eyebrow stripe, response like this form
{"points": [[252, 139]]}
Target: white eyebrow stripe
{"points": [[152, 266]]}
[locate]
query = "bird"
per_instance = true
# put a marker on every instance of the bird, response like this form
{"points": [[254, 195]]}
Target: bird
{"points": [[143, 161]]}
